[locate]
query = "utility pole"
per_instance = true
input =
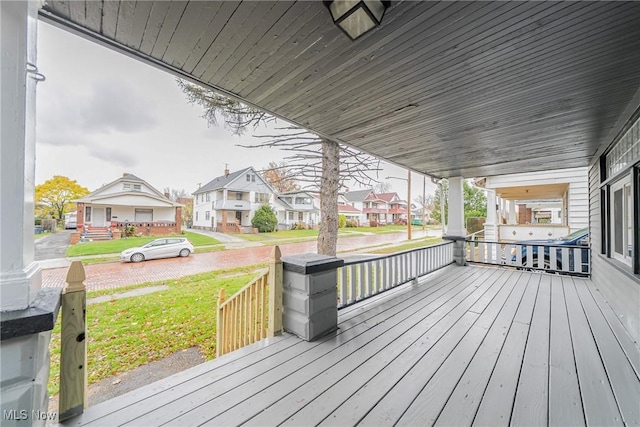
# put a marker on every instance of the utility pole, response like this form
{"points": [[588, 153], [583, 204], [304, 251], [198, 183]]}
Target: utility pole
{"points": [[424, 201], [408, 204]]}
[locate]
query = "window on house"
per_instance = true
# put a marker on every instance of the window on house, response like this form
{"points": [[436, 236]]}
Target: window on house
{"points": [[621, 199], [126, 186], [143, 215], [291, 216], [261, 198], [87, 214], [238, 196], [208, 196], [621, 223], [303, 200], [207, 215], [253, 178], [248, 177], [108, 210], [137, 187], [197, 215]]}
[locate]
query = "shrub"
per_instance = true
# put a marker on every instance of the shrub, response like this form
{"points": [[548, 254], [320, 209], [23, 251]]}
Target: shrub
{"points": [[351, 224], [298, 226], [342, 221], [265, 219]]}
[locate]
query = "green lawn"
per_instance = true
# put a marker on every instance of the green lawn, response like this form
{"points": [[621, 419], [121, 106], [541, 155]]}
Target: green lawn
{"points": [[393, 228], [405, 247], [127, 333], [279, 235], [116, 246]]}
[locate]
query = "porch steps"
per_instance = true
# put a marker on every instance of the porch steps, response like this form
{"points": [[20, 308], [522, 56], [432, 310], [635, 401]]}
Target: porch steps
{"points": [[96, 234]]}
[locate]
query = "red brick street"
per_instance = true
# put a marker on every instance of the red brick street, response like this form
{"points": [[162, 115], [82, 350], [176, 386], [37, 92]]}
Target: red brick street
{"points": [[114, 274]]}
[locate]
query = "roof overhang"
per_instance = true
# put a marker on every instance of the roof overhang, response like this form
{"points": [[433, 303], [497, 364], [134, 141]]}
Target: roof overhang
{"points": [[533, 192], [445, 88]]}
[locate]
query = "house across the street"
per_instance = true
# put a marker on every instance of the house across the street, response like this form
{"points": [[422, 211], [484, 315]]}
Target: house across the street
{"points": [[300, 208], [227, 203], [128, 201]]}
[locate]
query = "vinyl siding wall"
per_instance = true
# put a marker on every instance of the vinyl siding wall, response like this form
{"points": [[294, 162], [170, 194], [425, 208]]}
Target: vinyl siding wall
{"points": [[620, 289]]}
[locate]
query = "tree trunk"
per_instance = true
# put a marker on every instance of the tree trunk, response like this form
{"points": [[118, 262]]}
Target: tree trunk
{"points": [[329, 185]]}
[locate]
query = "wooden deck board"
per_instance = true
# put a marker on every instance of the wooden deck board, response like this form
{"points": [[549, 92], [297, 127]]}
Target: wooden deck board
{"points": [[363, 393], [531, 403], [599, 402], [565, 403], [461, 407], [467, 345], [624, 380]]}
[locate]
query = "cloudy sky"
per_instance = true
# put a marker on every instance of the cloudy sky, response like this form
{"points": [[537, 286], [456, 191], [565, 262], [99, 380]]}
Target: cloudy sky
{"points": [[101, 114]]}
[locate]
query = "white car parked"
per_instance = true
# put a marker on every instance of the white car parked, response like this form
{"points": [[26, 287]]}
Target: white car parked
{"points": [[159, 248]]}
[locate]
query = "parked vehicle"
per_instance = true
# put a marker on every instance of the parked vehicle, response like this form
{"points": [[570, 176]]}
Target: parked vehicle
{"points": [[574, 241], [71, 221], [159, 248]]}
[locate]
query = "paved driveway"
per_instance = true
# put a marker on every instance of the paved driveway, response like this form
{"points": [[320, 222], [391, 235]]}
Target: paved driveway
{"points": [[114, 275], [53, 246]]}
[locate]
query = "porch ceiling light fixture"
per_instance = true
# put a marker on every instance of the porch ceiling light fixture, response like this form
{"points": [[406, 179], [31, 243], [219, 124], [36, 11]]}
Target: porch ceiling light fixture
{"points": [[356, 17]]}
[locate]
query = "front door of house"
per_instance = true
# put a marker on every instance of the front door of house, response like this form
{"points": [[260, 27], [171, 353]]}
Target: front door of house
{"points": [[98, 219], [239, 217]]}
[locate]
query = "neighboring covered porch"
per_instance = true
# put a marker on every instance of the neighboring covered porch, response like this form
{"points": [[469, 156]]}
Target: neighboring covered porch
{"points": [[464, 345], [536, 205]]}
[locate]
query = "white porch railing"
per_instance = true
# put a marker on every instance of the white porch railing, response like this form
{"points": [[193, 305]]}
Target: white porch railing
{"points": [[555, 258], [362, 279]]}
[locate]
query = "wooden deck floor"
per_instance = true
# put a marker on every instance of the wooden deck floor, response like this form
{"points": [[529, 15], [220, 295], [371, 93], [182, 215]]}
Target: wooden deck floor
{"points": [[468, 345]]}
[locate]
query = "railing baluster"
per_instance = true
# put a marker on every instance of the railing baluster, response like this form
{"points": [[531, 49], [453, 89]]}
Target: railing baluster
{"points": [[343, 286], [352, 282], [565, 259], [362, 279]]}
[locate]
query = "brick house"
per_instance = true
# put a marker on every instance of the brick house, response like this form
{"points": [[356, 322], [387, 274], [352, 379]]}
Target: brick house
{"points": [[128, 200]]}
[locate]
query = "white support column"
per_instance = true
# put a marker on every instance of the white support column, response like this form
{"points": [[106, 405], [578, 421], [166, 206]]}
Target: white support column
{"points": [[27, 312], [456, 208], [490, 229], [20, 276], [512, 212], [456, 230]]}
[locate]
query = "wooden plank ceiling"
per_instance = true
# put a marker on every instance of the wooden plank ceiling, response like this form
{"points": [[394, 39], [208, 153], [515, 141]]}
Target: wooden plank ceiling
{"points": [[445, 88]]}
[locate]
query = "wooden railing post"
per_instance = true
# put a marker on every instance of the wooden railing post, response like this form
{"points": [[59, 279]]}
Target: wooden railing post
{"points": [[275, 293], [220, 325], [73, 351]]}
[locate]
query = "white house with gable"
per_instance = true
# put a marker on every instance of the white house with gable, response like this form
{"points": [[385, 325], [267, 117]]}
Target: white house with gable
{"points": [[227, 203], [298, 207], [129, 200]]}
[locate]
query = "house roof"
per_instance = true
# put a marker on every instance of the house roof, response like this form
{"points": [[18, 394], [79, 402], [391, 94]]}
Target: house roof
{"points": [[388, 197], [130, 177], [99, 194], [223, 181], [348, 208], [286, 205], [357, 196]]}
